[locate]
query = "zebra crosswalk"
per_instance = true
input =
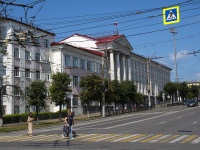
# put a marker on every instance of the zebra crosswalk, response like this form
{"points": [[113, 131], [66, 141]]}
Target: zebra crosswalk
{"points": [[142, 138], [131, 138]]}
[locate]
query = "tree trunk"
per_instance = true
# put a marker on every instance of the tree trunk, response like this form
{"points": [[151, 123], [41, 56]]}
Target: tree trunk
{"points": [[123, 108], [60, 114], [37, 110], [130, 108]]}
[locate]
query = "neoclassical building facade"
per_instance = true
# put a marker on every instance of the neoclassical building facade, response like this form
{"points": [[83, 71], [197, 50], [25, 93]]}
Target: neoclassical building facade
{"points": [[79, 55]]}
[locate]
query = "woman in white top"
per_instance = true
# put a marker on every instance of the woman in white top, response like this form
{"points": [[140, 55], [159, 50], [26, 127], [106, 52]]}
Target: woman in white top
{"points": [[30, 124]]}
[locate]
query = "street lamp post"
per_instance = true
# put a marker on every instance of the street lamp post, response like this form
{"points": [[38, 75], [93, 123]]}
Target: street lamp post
{"points": [[148, 82], [103, 87], [172, 30]]}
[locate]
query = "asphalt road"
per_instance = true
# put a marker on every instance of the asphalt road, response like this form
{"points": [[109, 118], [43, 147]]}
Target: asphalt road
{"points": [[169, 128]]}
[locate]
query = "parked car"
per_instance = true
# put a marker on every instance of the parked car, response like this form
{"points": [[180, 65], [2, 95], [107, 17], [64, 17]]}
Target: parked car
{"points": [[192, 103]]}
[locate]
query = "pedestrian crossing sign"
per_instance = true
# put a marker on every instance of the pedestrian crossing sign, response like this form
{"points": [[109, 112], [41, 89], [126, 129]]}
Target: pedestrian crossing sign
{"points": [[171, 15]]}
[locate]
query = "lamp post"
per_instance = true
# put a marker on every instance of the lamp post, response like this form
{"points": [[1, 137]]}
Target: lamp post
{"points": [[103, 86], [148, 82], [172, 30]]}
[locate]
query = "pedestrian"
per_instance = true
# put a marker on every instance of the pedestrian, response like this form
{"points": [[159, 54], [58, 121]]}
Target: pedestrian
{"points": [[30, 124], [70, 121]]}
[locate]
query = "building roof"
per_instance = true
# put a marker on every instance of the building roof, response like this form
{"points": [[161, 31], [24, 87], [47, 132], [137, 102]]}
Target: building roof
{"points": [[10, 19], [107, 39], [98, 53]]}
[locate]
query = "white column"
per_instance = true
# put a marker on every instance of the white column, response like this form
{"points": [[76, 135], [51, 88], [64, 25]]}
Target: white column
{"points": [[129, 69], [112, 72], [124, 67], [118, 66]]}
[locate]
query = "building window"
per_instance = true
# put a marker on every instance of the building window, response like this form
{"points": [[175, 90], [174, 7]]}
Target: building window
{"points": [[16, 71], [75, 62], [46, 43], [27, 73], [48, 77], [4, 93], [37, 40], [16, 52], [67, 60], [16, 109], [75, 81], [37, 57], [4, 70], [27, 109], [75, 100], [89, 65], [16, 92], [27, 55], [37, 75], [82, 64]]}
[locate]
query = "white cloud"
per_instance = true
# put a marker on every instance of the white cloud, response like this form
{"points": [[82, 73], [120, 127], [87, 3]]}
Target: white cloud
{"points": [[180, 55]]}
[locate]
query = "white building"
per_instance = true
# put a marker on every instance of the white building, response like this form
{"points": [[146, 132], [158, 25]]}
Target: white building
{"points": [[77, 55], [26, 53]]}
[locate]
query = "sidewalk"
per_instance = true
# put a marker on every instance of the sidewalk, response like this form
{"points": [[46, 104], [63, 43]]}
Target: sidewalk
{"points": [[84, 117]]}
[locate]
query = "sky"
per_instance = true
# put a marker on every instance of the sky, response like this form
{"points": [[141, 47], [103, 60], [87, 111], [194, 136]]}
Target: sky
{"points": [[140, 21]]}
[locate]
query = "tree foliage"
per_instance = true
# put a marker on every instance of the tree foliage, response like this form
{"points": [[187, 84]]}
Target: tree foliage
{"points": [[36, 93], [139, 98], [194, 90], [183, 90], [58, 89], [91, 89], [127, 92]]}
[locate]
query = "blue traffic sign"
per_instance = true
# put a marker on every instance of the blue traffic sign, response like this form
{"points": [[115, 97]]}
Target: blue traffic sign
{"points": [[171, 15]]}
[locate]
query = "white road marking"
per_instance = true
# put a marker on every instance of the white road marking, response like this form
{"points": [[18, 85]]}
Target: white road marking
{"points": [[142, 138], [194, 122], [179, 117], [197, 140], [107, 137], [92, 137], [169, 113], [160, 138], [179, 139], [162, 122], [124, 138]]}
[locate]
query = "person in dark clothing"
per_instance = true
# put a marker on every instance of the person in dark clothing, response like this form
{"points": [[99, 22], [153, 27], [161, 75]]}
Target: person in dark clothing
{"points": [[70, 121]]}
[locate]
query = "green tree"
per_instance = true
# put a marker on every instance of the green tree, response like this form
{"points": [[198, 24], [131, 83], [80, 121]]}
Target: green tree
{"points": [[194, 90], [58, 89], [115, 92], [91, 89], [127, 94], [183, 90], [139, 98], [171, 88], [36, 93]]}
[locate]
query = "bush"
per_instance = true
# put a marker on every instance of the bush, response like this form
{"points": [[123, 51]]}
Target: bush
{"points": [[17, 118]]}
